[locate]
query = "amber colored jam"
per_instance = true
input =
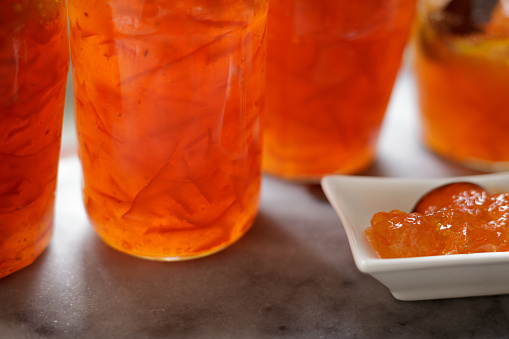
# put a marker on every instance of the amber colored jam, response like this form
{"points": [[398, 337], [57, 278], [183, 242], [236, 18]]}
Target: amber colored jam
{"points": [[463, 80], [457, 218], [168, 97], [331, 66], [34, 60]]}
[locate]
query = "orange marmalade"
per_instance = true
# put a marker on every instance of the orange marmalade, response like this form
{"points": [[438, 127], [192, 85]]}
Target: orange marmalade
{"points": [[34, 60], [463, 77], [457, 218], [331, 65], [168, 98]]}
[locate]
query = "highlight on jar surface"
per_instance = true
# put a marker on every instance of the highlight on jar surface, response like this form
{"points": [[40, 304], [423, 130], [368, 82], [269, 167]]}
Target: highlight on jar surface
{"points": [[331, 67], [34, 61], [168, 97], [462, 48]]}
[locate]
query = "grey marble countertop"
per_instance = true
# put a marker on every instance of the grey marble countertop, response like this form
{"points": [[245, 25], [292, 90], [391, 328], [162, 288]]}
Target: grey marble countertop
{"points": [[292, 275]]}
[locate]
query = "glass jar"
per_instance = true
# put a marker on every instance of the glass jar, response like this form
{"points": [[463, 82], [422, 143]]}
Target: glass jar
{"points": [[331, 67], [34, 61], [168, 97], [462, 71]]}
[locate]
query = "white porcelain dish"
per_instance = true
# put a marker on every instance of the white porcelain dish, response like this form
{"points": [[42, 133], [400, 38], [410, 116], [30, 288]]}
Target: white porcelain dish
{"points": [[356, 199]]}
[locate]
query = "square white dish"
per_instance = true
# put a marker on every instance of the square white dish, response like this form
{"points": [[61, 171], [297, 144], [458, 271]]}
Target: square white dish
{"points": [[356, 199]]}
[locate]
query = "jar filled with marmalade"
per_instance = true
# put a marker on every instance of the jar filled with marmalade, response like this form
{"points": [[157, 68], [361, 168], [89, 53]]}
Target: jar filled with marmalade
{"points": [[34, 61], [331, 66], [462, 70]]}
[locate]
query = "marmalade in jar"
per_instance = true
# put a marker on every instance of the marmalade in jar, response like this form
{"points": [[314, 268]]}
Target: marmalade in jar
{"points": [[168, 98], [331, 66], [462, 73], [34, 61]]}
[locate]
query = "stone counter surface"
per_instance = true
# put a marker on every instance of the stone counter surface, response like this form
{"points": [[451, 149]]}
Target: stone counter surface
{"points": [[292, 275]]}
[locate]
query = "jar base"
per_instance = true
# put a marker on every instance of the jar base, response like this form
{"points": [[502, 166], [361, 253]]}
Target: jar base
{"points": [[477, 164], [314, 178], [171, 258], [177, 257], [38, 248]]}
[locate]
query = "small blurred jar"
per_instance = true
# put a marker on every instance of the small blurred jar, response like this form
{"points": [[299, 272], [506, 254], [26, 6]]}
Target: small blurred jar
{"points": [[331, 66], [462, 69]]}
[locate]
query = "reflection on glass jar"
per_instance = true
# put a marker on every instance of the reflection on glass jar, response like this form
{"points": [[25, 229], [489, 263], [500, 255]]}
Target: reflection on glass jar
{"points": [[168, 96], [34, 61], [330, 70], [462, 53]]}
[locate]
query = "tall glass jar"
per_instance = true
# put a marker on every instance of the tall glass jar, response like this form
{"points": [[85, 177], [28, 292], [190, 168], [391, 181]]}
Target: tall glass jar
{"points": [[168, 96], [34, 61]]}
